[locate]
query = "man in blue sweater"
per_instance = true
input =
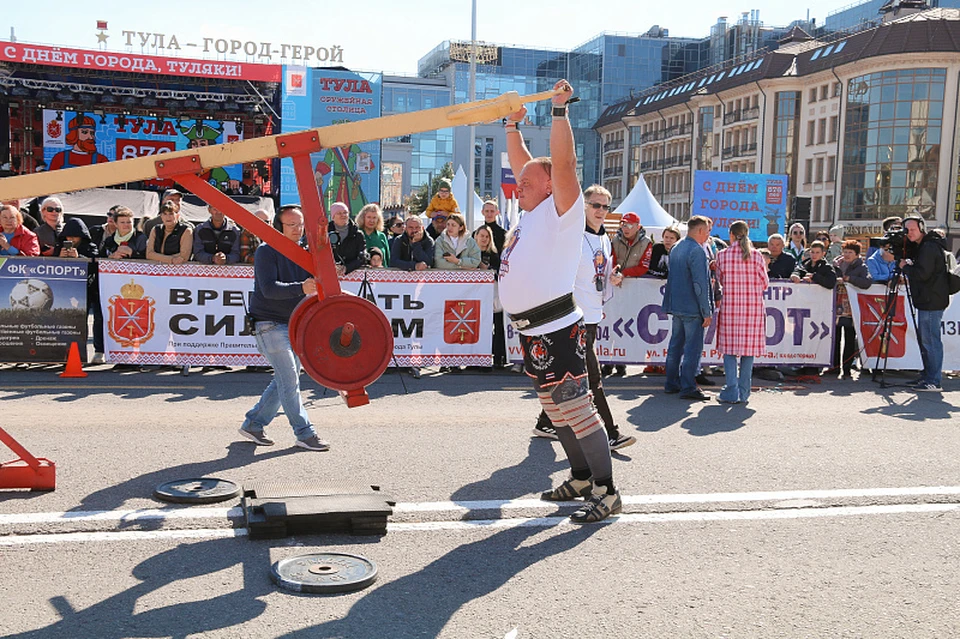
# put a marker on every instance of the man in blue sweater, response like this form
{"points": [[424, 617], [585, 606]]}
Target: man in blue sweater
{"points": [[278, 287]]}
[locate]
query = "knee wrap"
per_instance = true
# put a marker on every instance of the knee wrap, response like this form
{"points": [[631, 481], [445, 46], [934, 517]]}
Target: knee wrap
{"points": [[546, 401], [573, 400]]}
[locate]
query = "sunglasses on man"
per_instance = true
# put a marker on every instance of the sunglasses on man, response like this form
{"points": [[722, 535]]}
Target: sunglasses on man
{"points": [[597, 205], [52, 209]]}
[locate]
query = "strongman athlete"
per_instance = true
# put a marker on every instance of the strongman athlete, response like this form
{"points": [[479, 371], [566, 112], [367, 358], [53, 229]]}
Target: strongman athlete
{"points": [[538, 269]]}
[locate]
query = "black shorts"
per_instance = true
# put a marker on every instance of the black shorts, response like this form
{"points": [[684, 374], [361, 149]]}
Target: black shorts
{"points": [[553, 357]]}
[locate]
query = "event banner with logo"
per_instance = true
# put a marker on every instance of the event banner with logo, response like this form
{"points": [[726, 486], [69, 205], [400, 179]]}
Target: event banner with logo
{"points": [[323, 97], [439, 318], [635, 330], [43, 308], [872, 307], [136, 62], [78, 139], [194, 314], [758, 199]]}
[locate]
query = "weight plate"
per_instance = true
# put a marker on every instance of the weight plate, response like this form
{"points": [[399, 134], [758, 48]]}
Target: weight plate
{"points": [[316, 342], [298, 314], [203, 490], [324, 573]]}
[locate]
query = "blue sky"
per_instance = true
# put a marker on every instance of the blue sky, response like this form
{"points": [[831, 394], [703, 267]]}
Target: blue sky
{"points": [[376, 34]]}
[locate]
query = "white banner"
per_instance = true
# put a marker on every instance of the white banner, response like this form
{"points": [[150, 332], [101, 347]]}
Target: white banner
{"points": [[193, 314], [634, 329], [903, 351]]}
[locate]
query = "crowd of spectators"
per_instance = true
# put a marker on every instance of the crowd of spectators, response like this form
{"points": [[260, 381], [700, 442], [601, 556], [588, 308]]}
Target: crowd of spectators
{"points": [[437, 240]]}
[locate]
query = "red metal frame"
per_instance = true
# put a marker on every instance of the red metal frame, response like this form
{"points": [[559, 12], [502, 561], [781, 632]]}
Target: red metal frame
{"points": [[318, 259], [35, 473]]}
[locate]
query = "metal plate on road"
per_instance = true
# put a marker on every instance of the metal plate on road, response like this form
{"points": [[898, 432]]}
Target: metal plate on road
{"points": [[203, 490], [324, 573]]}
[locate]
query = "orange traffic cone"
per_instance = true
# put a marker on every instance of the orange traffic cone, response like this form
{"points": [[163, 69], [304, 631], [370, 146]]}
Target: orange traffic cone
{"points": [[74, 367]]}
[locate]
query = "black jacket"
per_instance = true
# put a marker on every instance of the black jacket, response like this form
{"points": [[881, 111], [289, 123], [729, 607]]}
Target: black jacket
{"points": [[823, 273], [499, 234], [659, 261], [406, 254], [782, 267], [351, 251], [928, 274], [137, 243]]}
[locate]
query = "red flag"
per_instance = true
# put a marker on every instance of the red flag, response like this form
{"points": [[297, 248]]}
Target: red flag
{"points": [[102, 25]]}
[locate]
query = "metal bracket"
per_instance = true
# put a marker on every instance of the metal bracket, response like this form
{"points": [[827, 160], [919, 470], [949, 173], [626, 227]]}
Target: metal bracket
{"points": [[169, 168]]}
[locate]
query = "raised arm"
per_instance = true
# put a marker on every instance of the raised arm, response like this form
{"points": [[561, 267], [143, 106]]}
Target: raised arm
{"points": [[563, 155], [517, 153]]}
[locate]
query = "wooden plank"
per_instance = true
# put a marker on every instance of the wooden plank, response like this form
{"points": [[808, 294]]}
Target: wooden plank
{"points": [[245, 151]]}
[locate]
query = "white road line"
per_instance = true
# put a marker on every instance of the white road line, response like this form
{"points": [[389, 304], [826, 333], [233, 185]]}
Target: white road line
{"points": [[123, 516], [705, 498], [500, 524], [655, 518], [193, 513], [127, 535]]}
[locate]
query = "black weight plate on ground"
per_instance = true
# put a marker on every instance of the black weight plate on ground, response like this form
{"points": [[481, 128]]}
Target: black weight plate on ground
{"points": [[198, 490], [324, 573]]}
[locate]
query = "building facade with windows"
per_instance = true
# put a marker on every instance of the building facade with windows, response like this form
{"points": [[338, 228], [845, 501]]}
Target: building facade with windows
{"points": [[865, 126]]}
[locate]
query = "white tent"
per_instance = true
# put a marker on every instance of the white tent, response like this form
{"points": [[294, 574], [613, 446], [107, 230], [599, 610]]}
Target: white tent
{"points": [[652, 216], [460, 190]]}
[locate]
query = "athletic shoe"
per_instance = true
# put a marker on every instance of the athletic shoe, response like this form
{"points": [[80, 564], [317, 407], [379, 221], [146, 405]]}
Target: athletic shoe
{"points": [[928, 387], [257, 437], [622, 441], [98, 359], [313, 443], [620, 371], [606, 369], [569, 490], [597, 508], [547, 431]]}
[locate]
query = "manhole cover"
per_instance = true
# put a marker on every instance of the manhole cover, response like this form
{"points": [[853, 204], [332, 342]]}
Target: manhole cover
{"points": [[203, 490], [324, 573]]}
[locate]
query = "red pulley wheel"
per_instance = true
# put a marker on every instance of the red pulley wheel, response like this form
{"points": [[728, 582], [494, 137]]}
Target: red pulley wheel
{"points": [[344, 342]]}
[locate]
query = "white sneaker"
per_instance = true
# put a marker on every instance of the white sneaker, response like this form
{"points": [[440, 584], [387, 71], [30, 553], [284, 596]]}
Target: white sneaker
{"points": [[98, 359]]}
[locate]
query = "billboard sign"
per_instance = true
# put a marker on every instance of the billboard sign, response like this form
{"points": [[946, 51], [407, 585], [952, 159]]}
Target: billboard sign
{"points": [[759, 199]]}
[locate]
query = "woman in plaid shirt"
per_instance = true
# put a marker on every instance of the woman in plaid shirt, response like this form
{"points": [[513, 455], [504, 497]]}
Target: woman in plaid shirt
{"points": [[741, 321]]}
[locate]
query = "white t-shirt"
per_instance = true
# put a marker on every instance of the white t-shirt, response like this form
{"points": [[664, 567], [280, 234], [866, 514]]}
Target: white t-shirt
{"points": [[540, 260], [594, 261]]}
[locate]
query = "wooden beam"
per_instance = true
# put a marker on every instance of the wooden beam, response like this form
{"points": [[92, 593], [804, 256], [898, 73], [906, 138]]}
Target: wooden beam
{"points": [[245, 151]]}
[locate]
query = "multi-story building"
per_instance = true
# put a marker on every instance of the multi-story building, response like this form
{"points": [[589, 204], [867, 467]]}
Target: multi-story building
{"points": [[863, 125], [869, 13], [603, 70]]}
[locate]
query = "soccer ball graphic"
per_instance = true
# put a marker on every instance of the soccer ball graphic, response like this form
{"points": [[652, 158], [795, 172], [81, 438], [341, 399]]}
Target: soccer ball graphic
{"points": [[31, 295]]}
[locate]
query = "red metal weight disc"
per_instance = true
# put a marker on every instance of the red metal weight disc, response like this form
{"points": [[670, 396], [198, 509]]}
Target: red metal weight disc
{"points": [[305, 304], [342, 359]]}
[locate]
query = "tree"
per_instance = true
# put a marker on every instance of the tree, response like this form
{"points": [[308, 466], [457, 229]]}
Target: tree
{"points": [[417, 201]]}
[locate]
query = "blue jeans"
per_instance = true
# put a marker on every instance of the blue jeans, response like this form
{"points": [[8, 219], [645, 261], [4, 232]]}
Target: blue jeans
{"points": [[931, 345], [686, 341], [738, 379], [273, 342]]}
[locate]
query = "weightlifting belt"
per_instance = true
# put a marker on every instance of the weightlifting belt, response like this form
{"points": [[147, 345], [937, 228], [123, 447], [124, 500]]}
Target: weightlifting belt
{"points": [[545, 313]]}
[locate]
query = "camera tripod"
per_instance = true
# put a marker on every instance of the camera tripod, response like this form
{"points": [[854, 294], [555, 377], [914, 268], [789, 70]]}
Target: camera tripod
{"points": [[888, 315]]}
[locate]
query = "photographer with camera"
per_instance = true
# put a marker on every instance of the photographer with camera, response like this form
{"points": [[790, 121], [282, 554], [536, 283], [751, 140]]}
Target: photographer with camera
{"points": [[925, 269]]}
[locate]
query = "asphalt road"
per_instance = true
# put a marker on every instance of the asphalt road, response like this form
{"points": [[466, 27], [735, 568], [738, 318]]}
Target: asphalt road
{"points": [[824, 510]]}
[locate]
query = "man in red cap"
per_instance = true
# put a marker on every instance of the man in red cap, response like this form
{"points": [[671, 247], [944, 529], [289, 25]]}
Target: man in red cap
{"points": [[82, 138], [631, 258]]}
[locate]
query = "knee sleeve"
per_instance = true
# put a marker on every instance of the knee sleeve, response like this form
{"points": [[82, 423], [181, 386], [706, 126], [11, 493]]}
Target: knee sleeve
{"points": [[546, 401], [573, 401]]}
